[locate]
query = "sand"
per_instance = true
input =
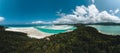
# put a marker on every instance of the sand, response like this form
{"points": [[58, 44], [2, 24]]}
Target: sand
{"points": [[31, 31]]}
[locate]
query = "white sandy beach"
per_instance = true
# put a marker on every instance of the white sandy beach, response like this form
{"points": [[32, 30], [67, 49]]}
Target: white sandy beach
{"points": [[31, 32], [34, 33]]}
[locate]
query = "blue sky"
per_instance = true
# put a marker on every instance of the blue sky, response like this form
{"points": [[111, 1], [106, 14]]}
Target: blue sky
{"points": [[27, 11]]}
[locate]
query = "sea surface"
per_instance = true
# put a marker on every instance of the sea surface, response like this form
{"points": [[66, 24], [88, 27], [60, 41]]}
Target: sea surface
{"points": [[108, 29], [47, 28], [56, 29]]}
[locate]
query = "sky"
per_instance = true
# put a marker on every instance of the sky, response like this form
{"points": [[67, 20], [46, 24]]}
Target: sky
{"points": [[59, 11]]}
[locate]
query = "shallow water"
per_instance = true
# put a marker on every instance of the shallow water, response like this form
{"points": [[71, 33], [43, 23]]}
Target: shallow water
{"points": [[113, 30], [52, 30]]}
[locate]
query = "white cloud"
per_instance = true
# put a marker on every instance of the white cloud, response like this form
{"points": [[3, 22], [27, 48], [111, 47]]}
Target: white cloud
{"points": [[80, 10], [40, 22], [59, 13], [1, 19], [111, 11], [116, 11], [88, 14], [93, 1], [83, 14]]}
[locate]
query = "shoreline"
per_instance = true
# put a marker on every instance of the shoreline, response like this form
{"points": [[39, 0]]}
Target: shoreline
{"points": [[103, 32], [81, 38], [31, 32], [35, 33], [107, 33]]}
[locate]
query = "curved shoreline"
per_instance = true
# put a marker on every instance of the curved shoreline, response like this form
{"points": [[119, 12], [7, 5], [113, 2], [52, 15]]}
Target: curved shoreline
{"points": [[31, 32], [35, 33], [103, 32], [76, 41], [107, 33]]}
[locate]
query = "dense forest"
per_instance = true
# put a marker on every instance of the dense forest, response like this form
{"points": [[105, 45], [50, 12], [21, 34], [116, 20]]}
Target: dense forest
{"points": [[84, 39]]}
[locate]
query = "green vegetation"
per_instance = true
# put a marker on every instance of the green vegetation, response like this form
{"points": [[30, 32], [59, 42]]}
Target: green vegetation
{"points": [[84, 39]]}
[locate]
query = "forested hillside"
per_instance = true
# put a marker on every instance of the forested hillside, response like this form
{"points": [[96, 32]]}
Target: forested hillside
{"points": [[84, 39]]}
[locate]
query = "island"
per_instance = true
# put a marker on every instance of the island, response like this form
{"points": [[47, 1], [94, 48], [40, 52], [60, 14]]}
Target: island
{"points": [[84, 39]]}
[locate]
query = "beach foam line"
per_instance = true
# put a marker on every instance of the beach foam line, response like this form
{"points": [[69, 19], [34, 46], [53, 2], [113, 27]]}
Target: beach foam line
{"points": [[31, 32]]}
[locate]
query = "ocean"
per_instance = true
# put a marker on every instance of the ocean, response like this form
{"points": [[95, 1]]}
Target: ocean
{"points": [[108, 29], [56, 29], [47, 28]]}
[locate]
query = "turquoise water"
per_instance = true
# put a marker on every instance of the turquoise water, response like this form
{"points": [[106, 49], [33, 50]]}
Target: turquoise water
{"points": [[54, 31], [114, 30], [47, 28]]}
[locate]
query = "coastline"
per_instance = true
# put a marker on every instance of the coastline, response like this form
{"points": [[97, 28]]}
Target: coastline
{"points": [[31, 32], [114, 34], [84, 37], [35, 33], [106, 33]]}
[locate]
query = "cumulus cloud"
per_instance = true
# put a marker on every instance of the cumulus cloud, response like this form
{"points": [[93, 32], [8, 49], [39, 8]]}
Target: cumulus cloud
{"points": [[90, 14], [40, 22], [111, 11], [59, 13], [117, 10], [114, 12], [1, 19], [83, 14]]}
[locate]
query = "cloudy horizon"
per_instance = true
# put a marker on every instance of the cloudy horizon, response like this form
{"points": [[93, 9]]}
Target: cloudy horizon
{"points": [[85, 15], [71, 12]]}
